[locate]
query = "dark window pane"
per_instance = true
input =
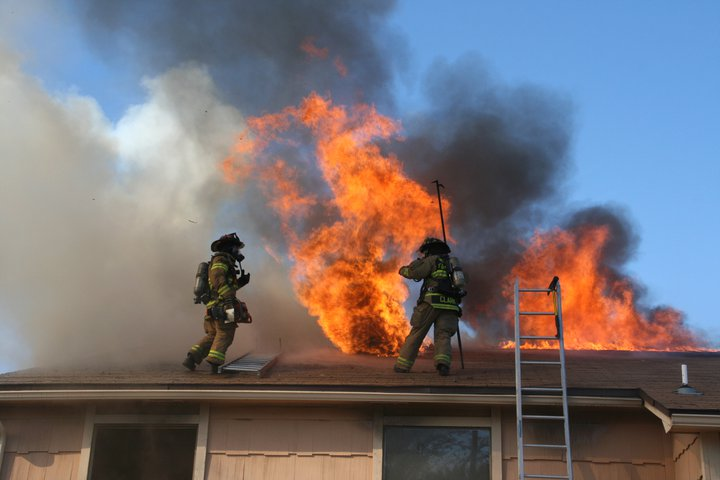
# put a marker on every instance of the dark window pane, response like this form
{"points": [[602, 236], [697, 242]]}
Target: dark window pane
{"points": [[138, 452], [436, 453]]}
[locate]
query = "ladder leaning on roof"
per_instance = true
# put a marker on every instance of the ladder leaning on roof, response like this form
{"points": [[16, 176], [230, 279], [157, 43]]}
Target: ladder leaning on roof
{"points": [[522, 391]]}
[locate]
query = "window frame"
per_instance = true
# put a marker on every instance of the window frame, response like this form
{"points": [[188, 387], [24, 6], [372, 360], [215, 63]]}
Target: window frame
{"points": [[493, 422], [201, 421]]}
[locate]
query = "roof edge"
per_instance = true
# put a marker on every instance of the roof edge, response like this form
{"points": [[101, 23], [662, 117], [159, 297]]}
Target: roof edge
{"points": [[309, 396], [684, 422]]}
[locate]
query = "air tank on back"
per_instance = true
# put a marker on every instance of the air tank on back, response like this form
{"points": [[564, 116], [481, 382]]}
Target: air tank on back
{"points": [[458, 276]]}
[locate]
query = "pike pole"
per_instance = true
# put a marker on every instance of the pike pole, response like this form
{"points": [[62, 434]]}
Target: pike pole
{"points": [[439, 185]]}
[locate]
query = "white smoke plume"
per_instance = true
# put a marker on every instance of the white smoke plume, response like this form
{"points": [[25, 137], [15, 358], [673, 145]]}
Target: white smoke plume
{"points": [[103, 224]]}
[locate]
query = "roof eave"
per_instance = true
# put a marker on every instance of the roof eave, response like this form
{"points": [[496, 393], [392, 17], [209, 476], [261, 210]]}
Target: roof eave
{"points": [[684, 422], [307, 396]]}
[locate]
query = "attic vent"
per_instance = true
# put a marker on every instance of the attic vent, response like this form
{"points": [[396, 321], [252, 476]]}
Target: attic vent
{"points": [[258, 364]]}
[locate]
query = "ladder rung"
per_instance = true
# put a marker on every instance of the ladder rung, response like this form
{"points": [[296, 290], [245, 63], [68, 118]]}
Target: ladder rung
{"points": [[533, 337], [542, 445], [541, 389], [543, 290], [543, 417], [540, 362], [533, 475], [538, 313]]}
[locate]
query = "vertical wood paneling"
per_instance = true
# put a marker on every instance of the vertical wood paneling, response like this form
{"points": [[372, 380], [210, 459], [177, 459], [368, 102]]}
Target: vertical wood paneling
{"points": [[308, 468], [360, 468], [39, 463], [217, 435], [18, 467], [237, 436], [687, 456], [64, 467], [40, 466], [269, 437], [42, 443], [623, 446], [312, 444], [212, 466]]}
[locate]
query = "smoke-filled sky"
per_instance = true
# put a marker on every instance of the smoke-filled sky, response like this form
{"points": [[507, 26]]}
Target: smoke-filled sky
{"points": [[118, 114]]}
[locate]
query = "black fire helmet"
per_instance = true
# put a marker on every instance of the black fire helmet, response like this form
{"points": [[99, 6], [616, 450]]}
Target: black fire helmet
{"points": [[433, 246], [225, 242]]}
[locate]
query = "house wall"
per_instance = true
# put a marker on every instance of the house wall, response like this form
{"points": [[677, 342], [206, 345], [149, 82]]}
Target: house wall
{"points": [[44, 442], [41, 443], [280, 443], [612, 444], [696, 455]]}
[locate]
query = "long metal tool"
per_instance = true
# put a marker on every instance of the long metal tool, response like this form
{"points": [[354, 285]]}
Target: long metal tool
{"points": [[439, 185]]}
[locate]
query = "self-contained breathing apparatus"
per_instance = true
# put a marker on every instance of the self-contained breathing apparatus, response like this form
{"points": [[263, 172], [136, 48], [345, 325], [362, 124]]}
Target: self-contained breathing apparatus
{"points": [[448, 280], [229, 312], [202, 280], [202, 284]]}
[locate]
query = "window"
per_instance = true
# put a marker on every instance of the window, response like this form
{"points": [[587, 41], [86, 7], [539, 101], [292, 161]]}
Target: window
{"points": [[431, 447], [436, 453], [137, 443], [140, 452]]}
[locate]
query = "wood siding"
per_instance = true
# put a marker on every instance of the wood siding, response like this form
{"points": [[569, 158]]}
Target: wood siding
{"points": [[613, 445], [42, 443], [281, 443], [687, 456]]}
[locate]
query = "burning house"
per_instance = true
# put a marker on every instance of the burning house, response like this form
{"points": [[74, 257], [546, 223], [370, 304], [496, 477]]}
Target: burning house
{"points": [[335, 195], [349, 220]]}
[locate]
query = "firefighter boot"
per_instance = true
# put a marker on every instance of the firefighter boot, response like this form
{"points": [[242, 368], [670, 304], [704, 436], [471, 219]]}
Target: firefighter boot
{"points": [[443, 369], [189, 362]]}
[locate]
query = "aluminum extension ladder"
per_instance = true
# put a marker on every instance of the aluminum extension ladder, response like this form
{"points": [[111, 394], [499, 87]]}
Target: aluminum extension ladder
{"points": [[521, 390]]}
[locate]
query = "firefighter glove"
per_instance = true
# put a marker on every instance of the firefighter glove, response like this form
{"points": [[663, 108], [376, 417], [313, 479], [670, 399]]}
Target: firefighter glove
{"points": [[243, 280]]}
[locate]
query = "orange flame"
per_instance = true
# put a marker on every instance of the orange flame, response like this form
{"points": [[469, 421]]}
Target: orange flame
{"points": [[599, 309], [345, 270], [311, 50]]}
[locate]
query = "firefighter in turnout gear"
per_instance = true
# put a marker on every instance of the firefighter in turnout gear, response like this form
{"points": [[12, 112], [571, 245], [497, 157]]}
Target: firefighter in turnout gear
{"points": [[439, 305], [223, 311]]}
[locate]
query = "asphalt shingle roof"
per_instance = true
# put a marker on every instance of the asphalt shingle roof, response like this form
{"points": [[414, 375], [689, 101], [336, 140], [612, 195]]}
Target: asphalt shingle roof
{"points": [[653, 376]]}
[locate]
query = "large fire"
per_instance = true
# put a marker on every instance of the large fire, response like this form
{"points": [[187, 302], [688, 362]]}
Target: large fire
{"points": [[348, 234], [345, 265], [599, 308]]}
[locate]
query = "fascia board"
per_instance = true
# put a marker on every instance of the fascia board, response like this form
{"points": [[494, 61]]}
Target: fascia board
{"points": [[684, 422], [307, 396]]}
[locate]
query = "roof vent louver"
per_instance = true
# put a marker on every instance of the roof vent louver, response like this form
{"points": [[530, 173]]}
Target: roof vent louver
{"points": [[259, 364]]}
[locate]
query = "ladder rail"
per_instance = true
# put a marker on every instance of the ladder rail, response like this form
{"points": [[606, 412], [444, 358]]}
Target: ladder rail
{"points": [[518, 385], [563, 376]]}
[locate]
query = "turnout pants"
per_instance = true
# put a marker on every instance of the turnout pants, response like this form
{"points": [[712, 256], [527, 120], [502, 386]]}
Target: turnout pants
{"points": [[218, 337], [423, 317]]}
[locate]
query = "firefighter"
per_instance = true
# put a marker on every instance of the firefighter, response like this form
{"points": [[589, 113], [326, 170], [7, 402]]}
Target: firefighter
{"points": [[223, 311], [439, 305]]}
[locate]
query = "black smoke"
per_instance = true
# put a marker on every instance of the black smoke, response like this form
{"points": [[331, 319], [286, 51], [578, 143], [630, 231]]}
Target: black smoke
{"points": [[503, 155], [253, 48], [503, 152]]}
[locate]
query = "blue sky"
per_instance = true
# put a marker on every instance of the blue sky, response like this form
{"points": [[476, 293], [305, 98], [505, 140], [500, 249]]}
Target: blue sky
{"points": [[642, 79]]}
